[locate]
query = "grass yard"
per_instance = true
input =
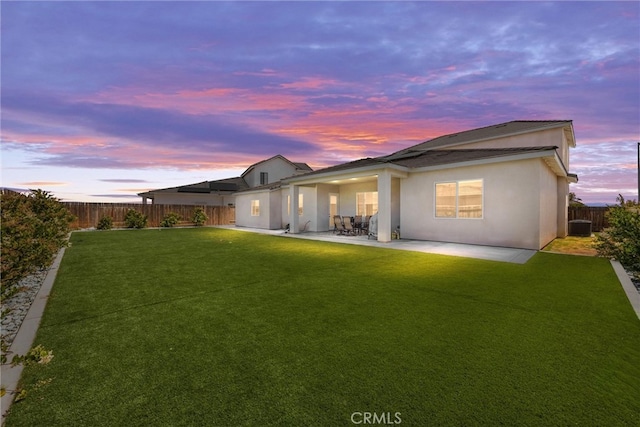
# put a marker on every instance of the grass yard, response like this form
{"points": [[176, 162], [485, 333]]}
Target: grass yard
{"points": [[573, 245], [222, 328]]}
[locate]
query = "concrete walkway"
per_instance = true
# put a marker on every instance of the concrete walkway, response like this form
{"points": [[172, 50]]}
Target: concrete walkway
{"points": [[491, 253]]}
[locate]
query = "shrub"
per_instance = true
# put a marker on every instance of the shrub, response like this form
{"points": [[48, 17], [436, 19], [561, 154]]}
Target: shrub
{"points": [[135, 219], [621, 240], [170, 219], [105, 223], [33, 227], [199, 217]]}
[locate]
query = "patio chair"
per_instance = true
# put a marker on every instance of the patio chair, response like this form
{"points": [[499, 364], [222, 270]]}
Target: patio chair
{"points": [[348, 225], [357, 224], [338, 227], [365, 224]]}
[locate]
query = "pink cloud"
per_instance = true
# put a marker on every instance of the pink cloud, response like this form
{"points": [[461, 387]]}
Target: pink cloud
{"points": [[310, 83]]}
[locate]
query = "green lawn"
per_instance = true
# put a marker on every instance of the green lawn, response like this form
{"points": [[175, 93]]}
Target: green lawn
{"points": [[222, 327]]}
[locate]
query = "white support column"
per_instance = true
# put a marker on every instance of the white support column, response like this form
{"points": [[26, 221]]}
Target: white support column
{"points": [[563, 207], [384, 206], [294, 218]]}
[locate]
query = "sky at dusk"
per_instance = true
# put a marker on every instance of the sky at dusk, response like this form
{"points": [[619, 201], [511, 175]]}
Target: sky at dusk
{"points": [[103, 100]]}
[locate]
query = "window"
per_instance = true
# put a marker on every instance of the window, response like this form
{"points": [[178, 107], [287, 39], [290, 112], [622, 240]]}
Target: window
{"points": [[264, 178], [255, 208], [461, 199], [300, 204], [367, 203]]}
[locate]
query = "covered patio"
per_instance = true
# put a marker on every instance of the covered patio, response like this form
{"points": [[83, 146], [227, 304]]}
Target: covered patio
{"points": [[337, 191]]}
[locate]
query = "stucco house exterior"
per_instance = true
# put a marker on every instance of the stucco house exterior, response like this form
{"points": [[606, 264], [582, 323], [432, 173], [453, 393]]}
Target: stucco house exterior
{"points": [[501, 185], [222, 192]]}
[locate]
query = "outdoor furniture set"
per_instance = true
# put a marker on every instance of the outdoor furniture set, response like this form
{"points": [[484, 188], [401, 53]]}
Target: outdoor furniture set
{"points": [[351, 225]]}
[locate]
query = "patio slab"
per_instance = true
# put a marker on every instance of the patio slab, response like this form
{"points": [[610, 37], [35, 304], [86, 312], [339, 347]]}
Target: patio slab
{"points": [[491, 253]]}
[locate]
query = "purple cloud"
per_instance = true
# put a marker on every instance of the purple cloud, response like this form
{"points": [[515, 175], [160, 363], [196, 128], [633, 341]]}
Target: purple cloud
{"points": [[185, 85]]}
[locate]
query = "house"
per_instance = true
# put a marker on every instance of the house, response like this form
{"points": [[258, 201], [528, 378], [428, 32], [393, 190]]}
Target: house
{"points": [[501, 185], [222, 192]]}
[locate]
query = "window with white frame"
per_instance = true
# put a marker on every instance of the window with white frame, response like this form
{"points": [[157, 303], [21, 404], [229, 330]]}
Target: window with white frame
{"points": [[300, 204], [264, 178], [255, 208], [459, 199], [366, 203]]}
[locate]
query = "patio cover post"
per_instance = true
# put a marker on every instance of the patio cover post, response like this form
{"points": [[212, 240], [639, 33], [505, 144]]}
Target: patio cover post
{"points": [[384, 206], [294, 219]]}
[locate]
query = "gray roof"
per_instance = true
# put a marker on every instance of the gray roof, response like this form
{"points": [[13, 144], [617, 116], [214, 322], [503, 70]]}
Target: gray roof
{"points": [[489, 132], [228, 185], [446, 157], [428, 158], [434, 152]]}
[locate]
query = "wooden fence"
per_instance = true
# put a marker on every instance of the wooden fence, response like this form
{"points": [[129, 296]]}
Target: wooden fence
{"points": [[594, 214], [88, 214]]}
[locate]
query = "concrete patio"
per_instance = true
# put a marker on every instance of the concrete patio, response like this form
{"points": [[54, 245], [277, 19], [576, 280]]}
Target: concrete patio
{"points": [[492, 253]]}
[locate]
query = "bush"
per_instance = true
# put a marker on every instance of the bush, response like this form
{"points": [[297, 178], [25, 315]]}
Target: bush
{"points": [[135, 219], [199, 217], [621, 240], [105, 223], [34, 227], [170, 219]]}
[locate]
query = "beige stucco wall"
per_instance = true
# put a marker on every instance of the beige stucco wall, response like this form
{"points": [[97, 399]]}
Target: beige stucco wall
{"points": [[548, 206], [277, 169], [512, 214], [543, 138], [269, 200]]}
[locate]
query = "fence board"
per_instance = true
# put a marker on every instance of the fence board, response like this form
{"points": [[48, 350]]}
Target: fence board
{"points": [[597, 216], [88, 214]]}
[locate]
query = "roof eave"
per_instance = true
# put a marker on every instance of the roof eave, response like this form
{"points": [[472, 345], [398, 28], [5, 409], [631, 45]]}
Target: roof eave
{"points": [[560, 124], [551, 154], [355, 172]]}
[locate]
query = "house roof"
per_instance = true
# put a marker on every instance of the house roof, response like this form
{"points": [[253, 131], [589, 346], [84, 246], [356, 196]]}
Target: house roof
{"points": [[298, 165], [434, 153], [446, 157], [501, 130], [433, 158], [227, 185]]}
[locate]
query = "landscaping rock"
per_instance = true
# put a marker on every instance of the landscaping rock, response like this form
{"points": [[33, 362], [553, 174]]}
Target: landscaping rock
{"points": [[15, 308]]}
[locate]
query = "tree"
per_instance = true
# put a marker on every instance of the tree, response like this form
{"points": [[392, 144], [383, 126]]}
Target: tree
{"points": [[34, 227], [575, 200], [621, 240]]}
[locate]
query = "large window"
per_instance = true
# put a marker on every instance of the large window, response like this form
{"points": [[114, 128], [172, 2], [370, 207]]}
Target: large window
{"points": [[300, 204], [255, 208], [367, 203], [460, 199]]}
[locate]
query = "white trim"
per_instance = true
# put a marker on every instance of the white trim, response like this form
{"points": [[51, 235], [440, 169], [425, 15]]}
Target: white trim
{"points": [[365, 171]]}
